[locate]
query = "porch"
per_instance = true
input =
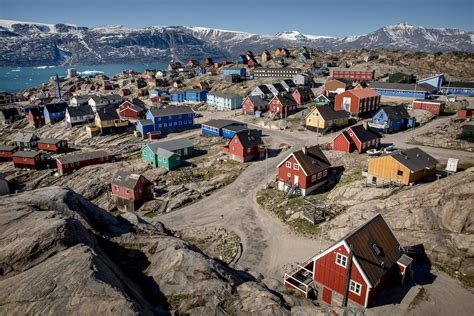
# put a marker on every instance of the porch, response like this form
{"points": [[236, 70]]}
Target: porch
{"points": [[301, 279]]}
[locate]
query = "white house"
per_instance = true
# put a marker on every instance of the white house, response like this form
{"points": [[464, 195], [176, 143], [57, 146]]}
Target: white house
{"points": [[303, 79], [224, 101], [76, 115]]}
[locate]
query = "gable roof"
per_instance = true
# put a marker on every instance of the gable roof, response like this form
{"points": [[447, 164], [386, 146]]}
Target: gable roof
{"points": [[25, 137], [171, 145], [311, 159], [56, 107], [127, 180], [52, 141], [8, 147], [81, 156], [401, 86], [171, 110], [415, 159], [223, 95], [264, 89], [363, 134], [249, 138], [328, 114], [396, 112], [222, 123], [257, 101], [363, 93], [26, 154], [108, 114], [458, 84], [81, 110], [132, 106], [304, 91], [286, 99]]}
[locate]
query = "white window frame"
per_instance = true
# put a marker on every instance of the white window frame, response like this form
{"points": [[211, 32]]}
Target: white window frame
{"points": [[341, 258], [296, 166], [355, 287], [288, 164]]}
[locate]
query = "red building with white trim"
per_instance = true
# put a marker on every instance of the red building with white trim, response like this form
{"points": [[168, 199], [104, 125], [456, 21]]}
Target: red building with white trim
{"points": [[29, 159], [303, 171], [302, 95], [283, 105], [354, 269], [245, 145], [53, 145], [129, 110], [130, 190], [7, 151], [357, 101], [433, 106], [75, 161], [355, 138]]}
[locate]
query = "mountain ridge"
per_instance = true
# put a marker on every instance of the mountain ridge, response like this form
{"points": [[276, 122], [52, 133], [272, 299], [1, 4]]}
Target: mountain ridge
{"points": [[33, 44]]}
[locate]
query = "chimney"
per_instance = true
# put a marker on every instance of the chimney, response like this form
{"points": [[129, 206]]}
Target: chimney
{"points": [[303, 150]]}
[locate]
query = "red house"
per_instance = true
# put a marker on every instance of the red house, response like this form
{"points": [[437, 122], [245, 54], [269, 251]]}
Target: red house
{"points": [[355, 138], [303, 171], [245, 145], [75, 161], [357, 101], [354, 269], [282, 104], [302, 95], [7, 151], [433, 106], [254, 103], [129, 110], [130, 190], [36, 116], [29, 159], [354, 75], [53, 145], [465, 113]]}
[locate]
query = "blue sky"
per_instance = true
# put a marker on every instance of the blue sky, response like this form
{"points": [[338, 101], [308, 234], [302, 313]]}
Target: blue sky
{"points": [[334, 18]]}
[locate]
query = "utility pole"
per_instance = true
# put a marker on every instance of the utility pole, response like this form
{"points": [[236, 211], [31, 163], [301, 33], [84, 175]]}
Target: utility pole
{"points": [[266, 167]]}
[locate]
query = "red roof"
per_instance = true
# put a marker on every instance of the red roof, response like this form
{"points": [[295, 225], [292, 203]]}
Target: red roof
{"points": [[364, 93]]}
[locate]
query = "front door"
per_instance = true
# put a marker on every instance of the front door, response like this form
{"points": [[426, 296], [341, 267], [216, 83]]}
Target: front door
{"points": [[327, 295], [295, 182]]}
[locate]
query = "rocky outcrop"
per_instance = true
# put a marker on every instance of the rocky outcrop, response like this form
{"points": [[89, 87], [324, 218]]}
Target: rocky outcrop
{"points": [[438, 215], [61, 254]]}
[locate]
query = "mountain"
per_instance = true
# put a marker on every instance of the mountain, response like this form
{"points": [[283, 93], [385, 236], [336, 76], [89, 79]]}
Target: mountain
{"points": [[35, 44]]}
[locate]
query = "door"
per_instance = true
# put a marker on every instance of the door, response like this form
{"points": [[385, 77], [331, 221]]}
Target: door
{"points": [[295, 182], [327, 295]]}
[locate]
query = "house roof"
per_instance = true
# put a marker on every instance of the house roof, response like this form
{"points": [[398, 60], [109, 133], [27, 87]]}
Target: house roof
{"points": [[26, 154], [364, 93], [327, 113], [108, 114], [347, 82], [430, 101], [222, 123], [171, 110], [257, 101], [459, 84], [396, 112], [111, 97], [249, 138], [133, 106], [25, 137], [146, 122], [7, 147], [415, 159], [363, 134], [277, 86], [171, 145], [286, 100], [400, 86], [81, 156], [289, 82], [49, 140], [36, 110], [80, 110], [375, 248], [127, 180], [264, 89], [312, 159], [56, 107], [304, 91], [9, 112], [223, 95], [98, 99]]}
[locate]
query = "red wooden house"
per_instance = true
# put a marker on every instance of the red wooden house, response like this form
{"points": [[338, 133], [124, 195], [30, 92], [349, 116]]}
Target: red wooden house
{"points": [[433, 106], [29, 159], [7, 151], [253, 103], [302, 95], [36, 116], [355, 138], [53, 145], [75, 161], [245, 145], [130, 190], [283, 105], [354, 269], [465, 113], [303, 171], [129, 110], [357, 101]]}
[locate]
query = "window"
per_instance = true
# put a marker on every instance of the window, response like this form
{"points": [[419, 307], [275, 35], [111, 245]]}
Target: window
{"points": [[127, 191], [325, 173], [117, 188], [235, 140], [296, 166], [288, 164], [319, 175], [400, 173], [341, 260], [313, 178], [355, 287]]}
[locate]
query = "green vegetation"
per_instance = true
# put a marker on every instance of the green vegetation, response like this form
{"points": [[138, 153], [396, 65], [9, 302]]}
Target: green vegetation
{"points": [[352, 175], [275, 201]]}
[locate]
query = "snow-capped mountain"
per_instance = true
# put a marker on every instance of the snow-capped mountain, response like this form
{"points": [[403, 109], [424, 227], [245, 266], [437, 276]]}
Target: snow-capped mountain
{"points": [[33, 44]]}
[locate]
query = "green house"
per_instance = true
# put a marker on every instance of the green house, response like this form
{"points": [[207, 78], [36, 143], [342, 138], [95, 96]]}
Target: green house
{"points": [[168, 154], [468, 131]]}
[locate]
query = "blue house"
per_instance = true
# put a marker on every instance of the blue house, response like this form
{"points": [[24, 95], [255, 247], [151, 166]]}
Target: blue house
{"points": [[170, 118], [464, 88], [145, 126], [403, 90], [178, 96], [435, 81], [242, 72], [242, 59], [191, 96], [54, 112], [222, 128], [391, 119], [156, 93]]}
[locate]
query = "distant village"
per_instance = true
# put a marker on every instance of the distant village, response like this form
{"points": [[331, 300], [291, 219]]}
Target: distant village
{"points": [[251, 107]]}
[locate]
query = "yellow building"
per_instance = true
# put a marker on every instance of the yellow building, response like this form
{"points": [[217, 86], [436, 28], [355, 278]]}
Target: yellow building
{"points": [[404, 167], [108, 119], [324, 117]]}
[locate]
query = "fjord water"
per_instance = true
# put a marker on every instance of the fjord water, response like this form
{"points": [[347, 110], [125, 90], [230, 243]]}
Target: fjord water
{"points": [[15, 79]]}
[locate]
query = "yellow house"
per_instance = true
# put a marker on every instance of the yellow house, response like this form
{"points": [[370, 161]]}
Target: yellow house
{"points": [[108, 119], [324, 117], [404, 167]]}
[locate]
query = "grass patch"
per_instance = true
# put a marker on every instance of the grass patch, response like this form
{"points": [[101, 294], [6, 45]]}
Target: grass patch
{"points": [[354, 175]]}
